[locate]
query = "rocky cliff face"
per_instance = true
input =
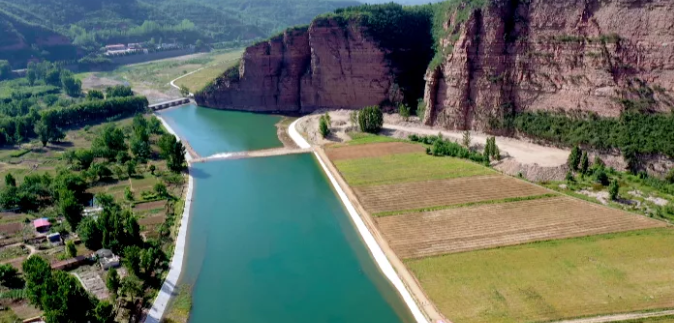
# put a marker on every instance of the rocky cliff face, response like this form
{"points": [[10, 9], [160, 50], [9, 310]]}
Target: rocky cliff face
{"points": [[523, 55], [327, 65]]}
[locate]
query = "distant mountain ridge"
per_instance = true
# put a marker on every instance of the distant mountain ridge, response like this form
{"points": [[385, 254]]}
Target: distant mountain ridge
{"points": [[49, 28]]}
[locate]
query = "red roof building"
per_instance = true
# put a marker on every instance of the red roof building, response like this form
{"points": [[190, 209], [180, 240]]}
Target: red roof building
{"points": [[42, 224]]}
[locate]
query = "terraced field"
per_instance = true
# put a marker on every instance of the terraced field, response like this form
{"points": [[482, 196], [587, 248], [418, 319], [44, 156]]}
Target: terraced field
{"points": [[456, 230], [373, 151], [393, 199], [553, 280], [402, 168]]}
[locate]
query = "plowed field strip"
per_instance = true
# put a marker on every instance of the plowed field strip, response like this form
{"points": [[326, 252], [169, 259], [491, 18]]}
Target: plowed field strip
{"points": [[456, 230], [403, 168], [443, 193], [373, 150]]}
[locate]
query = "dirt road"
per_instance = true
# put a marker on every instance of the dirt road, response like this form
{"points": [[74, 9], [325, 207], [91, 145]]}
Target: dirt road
{"points": [[619, 317]]}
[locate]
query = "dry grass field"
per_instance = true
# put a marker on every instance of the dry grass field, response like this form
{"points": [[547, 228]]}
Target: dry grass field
{"points": [[417, 235], [553, 280], [373, 151], [401, 168], [393, 199]]}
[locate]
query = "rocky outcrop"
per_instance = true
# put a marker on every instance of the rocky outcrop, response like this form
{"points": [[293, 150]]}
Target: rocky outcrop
{"points": [[524, 55], [330, 64]]}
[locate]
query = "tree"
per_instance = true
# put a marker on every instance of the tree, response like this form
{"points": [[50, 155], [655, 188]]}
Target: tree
{"points": [[128, 194], [496, 153], [199, 44], [46, 127], [323, 126], [154, 126], [9, 277], [141, 149], [574, 158], [371, 119], [37, 273], [161, 190], [466, 139], [71, 250], [67, 301], [112, 281], [131, 259], [10, 180], [118, 171], [93, 95], [104, 312], [184, 91], [90, 233], [601, 177], [151, 259], [109, 143], [173, 151], [405, 111], [84, 157], [5, 70], [31, 76], [70, 208], [118, 91], [130, 167], [613, 190], [153, 168], [584, 164], [53, 77], [71, 85], [569, 177]]}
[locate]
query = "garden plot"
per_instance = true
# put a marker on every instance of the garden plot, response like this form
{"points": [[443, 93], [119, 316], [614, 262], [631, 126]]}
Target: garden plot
{"points": [[417, 235], [373, 150], [391, 199]]}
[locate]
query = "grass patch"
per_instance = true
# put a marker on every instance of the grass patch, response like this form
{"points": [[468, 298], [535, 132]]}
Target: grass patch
{"points": [[362, 138], [179, 310], [456, 206], [211, 71], [13, 252], [8, 316], [553, 280], [402, 168]]}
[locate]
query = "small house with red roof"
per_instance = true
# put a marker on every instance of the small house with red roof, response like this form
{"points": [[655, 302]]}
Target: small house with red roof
{"points": [[42, 225]]}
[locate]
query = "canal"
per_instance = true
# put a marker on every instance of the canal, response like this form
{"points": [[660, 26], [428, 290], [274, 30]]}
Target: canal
{"points": [[268, 240]]}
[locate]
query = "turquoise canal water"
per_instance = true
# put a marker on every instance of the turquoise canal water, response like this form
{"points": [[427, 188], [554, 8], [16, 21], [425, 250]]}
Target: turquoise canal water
{"points": [[211, 131], [268, 240]]}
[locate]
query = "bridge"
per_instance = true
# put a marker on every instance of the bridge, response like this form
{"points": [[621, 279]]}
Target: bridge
{"points": [[168, 104]]}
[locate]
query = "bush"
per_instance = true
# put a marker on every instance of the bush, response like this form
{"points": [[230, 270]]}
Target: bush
{"points": [[601, 177], [404, 111], [574, 158], [670, 176], [323, 126], [371, 119], [613, 190]]}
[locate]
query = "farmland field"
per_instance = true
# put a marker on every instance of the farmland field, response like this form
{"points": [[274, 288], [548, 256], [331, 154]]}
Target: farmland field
{"points": [[415, 196], [417, 235], [401, 168], [552, 280], [371, 151]]}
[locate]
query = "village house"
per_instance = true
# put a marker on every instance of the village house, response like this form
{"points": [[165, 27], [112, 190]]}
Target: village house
{"points": [[42, 225]]}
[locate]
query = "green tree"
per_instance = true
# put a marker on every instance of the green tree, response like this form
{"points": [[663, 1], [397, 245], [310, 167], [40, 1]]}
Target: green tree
{"points": [[601, 177], [151, 259], [104, 312], [67, 301], [84, 157], [53, 77], [118, 171], [154, 126], [323, 126], [128, 194], [71, 250], [405, 111], [93, 95], [569, 177], [371, 119], [584, 164], [161, 190], [5, 70], [90, 233], [184, 91], [466, 139], [109, 143], [574, 158], [131, 167], [669, 177], [70, 208], [613, 190], [153, 168], [71, 85], [31, 76], [10, 180], [37, 273], [112, 281], [9, 277], [118, 91], [173, 151], [131, 259], [46, 127]]}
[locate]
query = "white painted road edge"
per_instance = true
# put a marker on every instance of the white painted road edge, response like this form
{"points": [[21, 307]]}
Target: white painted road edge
{"points": [[370, 241], [169, 288]]}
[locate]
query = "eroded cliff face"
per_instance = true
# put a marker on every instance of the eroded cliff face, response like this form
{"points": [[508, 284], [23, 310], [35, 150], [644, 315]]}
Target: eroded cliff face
{"points": [[525, 55], [327, 65]]}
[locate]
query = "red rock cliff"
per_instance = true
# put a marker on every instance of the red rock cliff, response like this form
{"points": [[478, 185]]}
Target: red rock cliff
{"points": [[326, 65], [511, 56]]}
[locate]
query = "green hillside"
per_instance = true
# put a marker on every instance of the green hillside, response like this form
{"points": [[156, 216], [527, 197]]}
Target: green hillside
{"points": [[33, 27]]}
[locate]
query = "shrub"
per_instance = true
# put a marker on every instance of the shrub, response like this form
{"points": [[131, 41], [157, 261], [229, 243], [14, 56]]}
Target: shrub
{"points": [[584, 163], [574, 158], [404, 111], [323, 126], [670, 176], [353, 117], [466, 139], [421, 109], [613, 190], [371, 119], [601, 177]]}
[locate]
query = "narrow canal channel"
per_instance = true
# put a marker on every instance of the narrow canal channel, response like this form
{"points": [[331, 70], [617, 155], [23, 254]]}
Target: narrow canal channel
{"points": [[268, 240]]}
